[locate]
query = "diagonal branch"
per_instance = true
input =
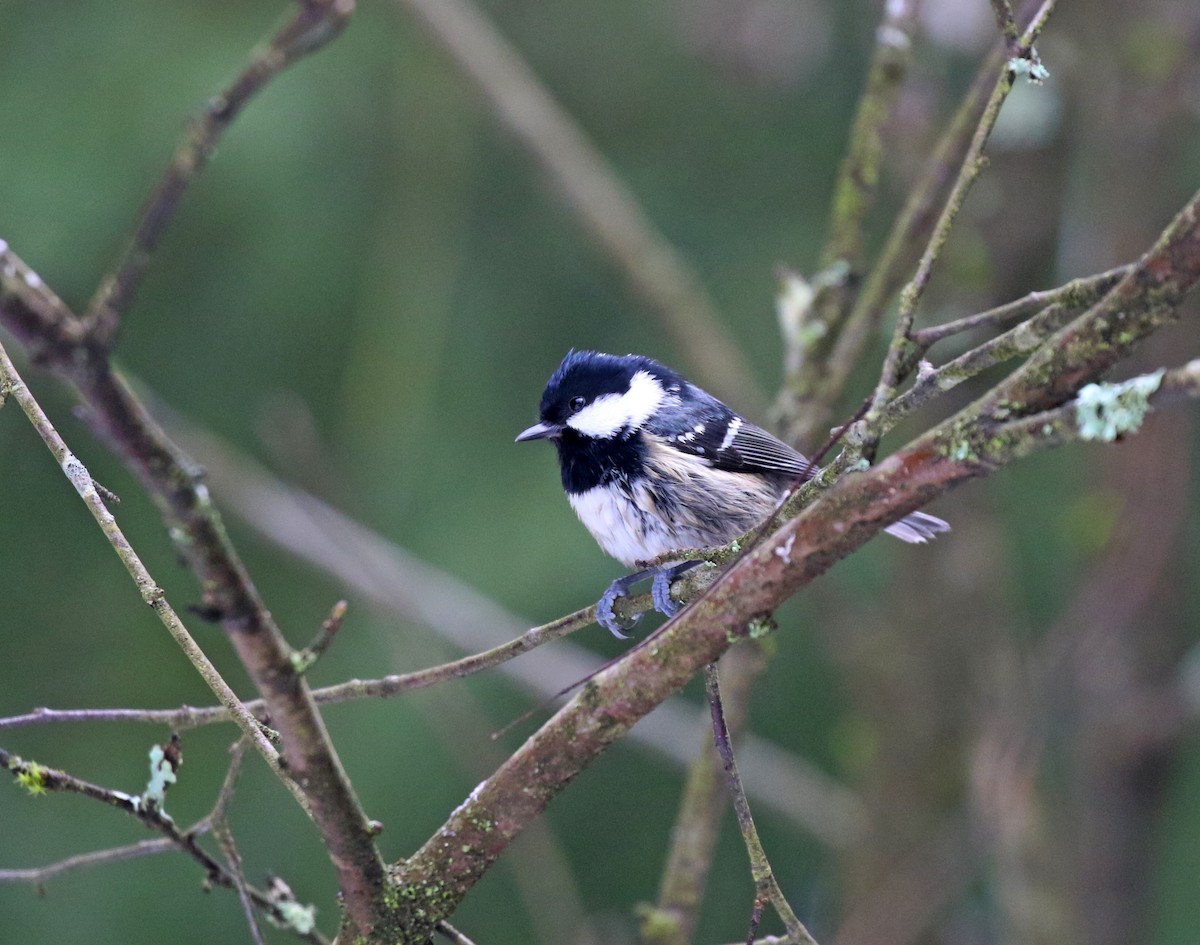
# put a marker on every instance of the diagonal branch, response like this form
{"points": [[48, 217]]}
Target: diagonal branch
{"points": [[1057, 308], [37, 317], [39, 779], [810, 340], [314, 24], [806, 401], [765, 884], [672, 919], [12, 385]]}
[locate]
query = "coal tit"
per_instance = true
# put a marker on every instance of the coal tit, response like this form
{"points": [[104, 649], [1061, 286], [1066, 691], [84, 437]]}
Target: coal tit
{"points": [[651, 464]]}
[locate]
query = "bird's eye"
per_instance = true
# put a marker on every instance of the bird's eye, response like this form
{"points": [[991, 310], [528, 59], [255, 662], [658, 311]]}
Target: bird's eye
{"points": [[577, 404]]}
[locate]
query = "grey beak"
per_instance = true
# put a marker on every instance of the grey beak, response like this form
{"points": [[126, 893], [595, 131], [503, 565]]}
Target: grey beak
{"points": [[541, 431]]}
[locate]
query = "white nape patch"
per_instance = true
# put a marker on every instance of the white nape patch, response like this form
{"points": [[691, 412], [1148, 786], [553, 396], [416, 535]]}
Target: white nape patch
{"points": [[730, 433], [609, 413]]}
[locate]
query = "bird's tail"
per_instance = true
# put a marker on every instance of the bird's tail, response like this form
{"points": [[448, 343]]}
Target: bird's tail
{"points": [[917, 528]]}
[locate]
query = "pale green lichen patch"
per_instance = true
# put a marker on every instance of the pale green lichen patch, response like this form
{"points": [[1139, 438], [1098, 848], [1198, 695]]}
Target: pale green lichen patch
{"points": [[301, 919], [162, 776], [1031, 67], [962, 451], [1106, 411]]}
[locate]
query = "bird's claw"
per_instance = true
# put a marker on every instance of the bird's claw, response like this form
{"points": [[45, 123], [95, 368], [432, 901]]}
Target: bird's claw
{"points": [[607, 618], [660, 590]]}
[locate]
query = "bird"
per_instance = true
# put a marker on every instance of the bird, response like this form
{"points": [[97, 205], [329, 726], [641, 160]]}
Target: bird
{"points": [[652, 463]]}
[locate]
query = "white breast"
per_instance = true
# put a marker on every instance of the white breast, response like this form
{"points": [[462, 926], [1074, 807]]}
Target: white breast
{"points": [[620, 528], [679, 501]]}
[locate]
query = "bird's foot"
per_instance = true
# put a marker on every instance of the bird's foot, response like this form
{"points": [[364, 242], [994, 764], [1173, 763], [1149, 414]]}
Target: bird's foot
{"points": [[604, 607], [660, 591]]}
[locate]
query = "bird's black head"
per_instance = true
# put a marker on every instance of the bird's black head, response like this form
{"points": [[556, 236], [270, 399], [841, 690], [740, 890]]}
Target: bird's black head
{"points": [[602, 396], [593, 407]]}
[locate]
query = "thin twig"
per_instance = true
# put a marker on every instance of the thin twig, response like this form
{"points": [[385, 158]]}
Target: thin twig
{"points": [[1035, 27], [229, 594], [806, 403], [1078, 293], [37, 779], [1020, 340], [603, 204], [765, 883], [314, 24], [186, 717], [449, 932], [841, 263], [1062, 424], [304, 659], [41, 874], [219, 819], [910, 296], [1007, 23], [151, 593], [237, 752], [673, 918]]}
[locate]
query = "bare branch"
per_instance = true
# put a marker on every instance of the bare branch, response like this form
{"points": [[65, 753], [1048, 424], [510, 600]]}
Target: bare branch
{"points": [[219, 821], [765, 884], [41, 874], [151, 593], [972, 166], [330, 626], [314, 24], [808, 342], [672, 920], [805, 404], [1060, 307], [1007, 23], [1077, 294]]}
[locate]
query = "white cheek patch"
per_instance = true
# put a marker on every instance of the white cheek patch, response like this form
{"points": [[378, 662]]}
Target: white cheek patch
{"points": [[609, 413]]}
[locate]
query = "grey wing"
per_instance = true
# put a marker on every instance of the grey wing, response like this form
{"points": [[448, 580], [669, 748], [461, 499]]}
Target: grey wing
{"points": [[746, 447], [713, 431]]}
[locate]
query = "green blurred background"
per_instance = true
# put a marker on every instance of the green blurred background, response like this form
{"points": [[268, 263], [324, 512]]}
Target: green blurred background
{"points": [[366, 292]]}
